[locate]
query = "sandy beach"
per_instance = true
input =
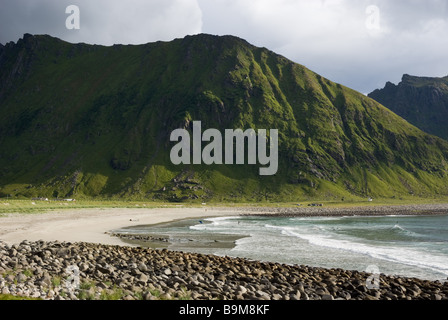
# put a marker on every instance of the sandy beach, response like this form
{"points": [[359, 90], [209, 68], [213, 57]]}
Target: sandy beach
{"points": [[90, 225], [93, 225], [38, 250]]}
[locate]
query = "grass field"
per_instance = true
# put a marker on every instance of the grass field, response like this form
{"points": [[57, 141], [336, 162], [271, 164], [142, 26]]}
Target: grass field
{"points": [[38, 206], [12, 297]]}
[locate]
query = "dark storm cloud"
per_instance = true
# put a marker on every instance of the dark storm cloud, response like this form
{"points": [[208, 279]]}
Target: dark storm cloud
{"points": [[102, 21], [20, 16], [331, 37]]}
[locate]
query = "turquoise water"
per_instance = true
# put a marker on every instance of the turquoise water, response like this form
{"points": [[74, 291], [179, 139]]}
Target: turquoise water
{"points": [[414, 246]]}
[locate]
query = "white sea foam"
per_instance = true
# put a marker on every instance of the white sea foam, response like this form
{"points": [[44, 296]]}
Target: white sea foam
{"points": [[216, 224], [217, 219], [407, 246], [399, 254]]}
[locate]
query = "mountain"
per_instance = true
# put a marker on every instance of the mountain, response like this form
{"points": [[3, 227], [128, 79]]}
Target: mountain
{"points": [[89, 121], [423, 101]]}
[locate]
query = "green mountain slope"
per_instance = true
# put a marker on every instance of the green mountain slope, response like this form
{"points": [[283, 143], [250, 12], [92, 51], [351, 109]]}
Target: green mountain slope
{"points": [[423, 101], [92, 121]]}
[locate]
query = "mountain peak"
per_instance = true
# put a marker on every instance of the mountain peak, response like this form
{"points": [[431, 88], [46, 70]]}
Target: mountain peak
{"points": [[423, 101], [419, 81], [407, 77], [207, 42], [95, 121], [211, 37]]}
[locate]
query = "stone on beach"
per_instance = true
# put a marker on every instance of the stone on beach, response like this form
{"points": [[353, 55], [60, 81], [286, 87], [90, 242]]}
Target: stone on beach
{"points": [[131, 273]]}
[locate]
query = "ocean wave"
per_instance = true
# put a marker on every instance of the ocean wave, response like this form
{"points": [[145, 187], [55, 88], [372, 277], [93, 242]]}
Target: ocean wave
{"points": [[299, 219], [295, 239], [212, 222], [407, 256], [217, 219], [405, 231]]}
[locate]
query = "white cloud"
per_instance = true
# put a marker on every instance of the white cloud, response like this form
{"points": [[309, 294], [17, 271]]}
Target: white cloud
{"points": [[331, 37], [139, 21], [104, 22]]}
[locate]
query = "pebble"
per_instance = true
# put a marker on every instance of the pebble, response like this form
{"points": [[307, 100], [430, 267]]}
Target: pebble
{"points": [[132, 273]]}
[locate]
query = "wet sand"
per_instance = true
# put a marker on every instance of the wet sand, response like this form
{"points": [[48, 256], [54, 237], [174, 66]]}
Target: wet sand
{"points": [[90, 225], [95, 225], [152, 236]]}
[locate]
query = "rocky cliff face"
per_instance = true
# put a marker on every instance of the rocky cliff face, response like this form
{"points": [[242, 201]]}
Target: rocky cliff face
{"points": [[15, 62], [423, 101]]}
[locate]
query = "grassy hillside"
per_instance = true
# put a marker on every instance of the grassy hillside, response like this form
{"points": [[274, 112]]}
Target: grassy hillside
{"points": [[86, 121]]}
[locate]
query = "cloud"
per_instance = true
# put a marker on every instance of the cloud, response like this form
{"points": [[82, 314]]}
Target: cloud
{"points": [[333, 37], [103, 22], [339, 39]]}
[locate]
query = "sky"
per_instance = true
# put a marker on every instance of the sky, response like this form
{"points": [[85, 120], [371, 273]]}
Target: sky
{"points": [[361, 44]]}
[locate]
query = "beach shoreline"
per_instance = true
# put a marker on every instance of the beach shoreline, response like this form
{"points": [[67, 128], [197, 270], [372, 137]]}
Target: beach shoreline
{"points": [[36, 249], [94, 225], [112, 272], [89, 225]]}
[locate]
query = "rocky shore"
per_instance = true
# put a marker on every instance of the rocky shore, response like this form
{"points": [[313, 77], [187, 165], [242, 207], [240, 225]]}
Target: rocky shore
{"points": [[322, 211], [63, 270], [140, 237]]}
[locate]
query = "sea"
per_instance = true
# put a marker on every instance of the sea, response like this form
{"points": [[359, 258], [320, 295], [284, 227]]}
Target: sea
{"points": [[411, 246]]}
